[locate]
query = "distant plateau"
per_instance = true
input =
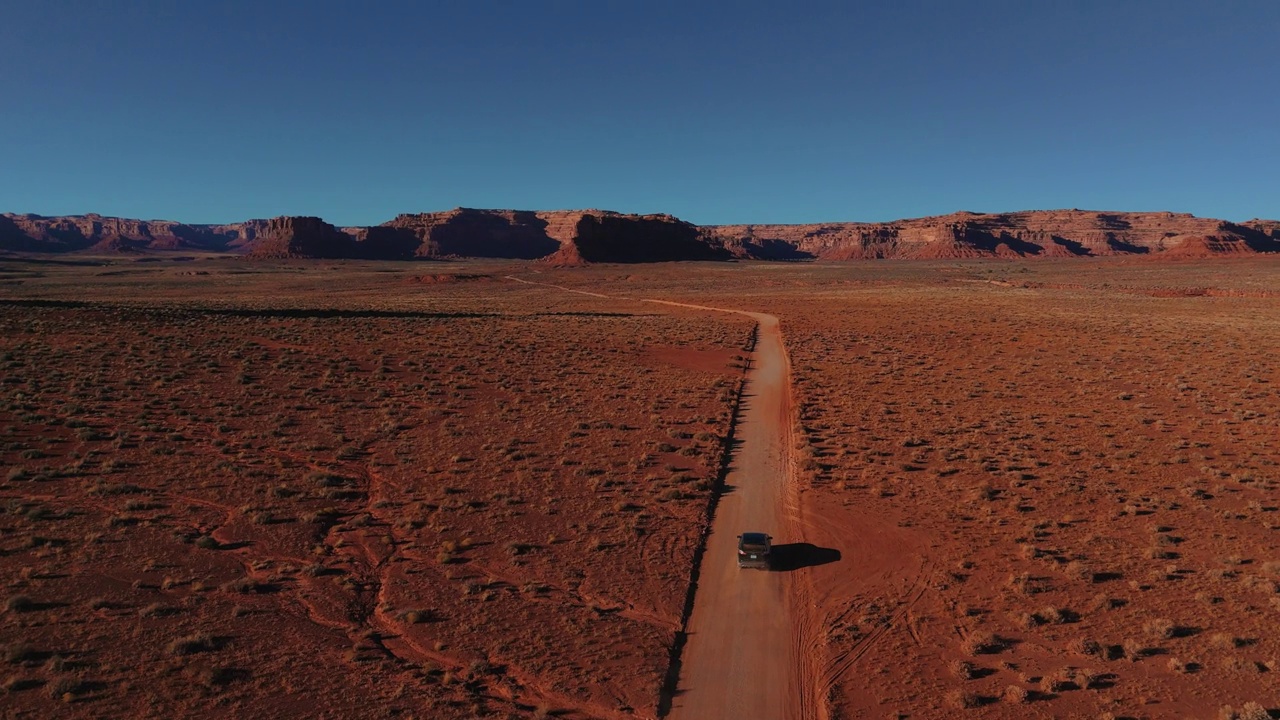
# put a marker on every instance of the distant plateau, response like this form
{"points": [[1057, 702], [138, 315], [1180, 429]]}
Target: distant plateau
{"points": [[576, 237]]}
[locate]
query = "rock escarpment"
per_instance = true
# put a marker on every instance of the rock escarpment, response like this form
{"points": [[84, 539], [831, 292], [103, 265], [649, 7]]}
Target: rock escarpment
{"points": [[601, 236], [571, 237], [302, 237], [464, 232], [35, 233], [1053, 233], [562, 237], [70, 233]]}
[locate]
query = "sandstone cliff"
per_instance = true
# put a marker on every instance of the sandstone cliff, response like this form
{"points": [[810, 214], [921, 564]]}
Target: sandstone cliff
{"points": [[69, 233], [561, 237], [35, 233], [1021, 234], [582, 236], [602, 236], [464, 232], [302, 237]]}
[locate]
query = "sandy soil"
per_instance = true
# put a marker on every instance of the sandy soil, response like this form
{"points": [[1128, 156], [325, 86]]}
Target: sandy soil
{"points": [[467, 505], [1036, 490]]}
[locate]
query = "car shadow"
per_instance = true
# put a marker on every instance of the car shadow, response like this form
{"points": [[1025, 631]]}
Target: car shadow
{"points": [[793, 556]]}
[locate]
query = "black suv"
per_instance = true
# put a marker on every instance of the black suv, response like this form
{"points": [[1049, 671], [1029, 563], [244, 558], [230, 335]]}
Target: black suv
{"points": [[754, 549]]}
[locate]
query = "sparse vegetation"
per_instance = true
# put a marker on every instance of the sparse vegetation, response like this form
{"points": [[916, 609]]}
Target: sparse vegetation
{"points": [[264, 460], [342, 446]]}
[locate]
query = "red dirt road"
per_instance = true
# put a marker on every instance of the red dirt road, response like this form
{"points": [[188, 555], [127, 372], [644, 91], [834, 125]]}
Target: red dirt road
{"points": [[745, 654], [741, 657]]}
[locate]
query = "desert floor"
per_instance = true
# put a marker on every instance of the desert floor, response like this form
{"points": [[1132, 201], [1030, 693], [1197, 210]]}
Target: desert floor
{"points": [[1001, 489]]}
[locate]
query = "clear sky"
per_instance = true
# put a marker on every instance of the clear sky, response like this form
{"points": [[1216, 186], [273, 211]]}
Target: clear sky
{"points": [[717, 112]]}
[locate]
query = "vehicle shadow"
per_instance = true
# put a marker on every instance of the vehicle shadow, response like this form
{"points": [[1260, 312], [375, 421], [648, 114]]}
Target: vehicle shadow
{"points": [[793, 556]]}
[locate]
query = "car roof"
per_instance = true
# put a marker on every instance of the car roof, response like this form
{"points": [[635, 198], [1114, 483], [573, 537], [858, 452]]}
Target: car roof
{"points": [[755, 538]]}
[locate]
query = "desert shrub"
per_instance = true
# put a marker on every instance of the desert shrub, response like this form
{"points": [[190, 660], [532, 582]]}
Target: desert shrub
{"points": [[417, 617], [64, 688], [191, 644], [14, 653], [330, 480], [16, 683], [963, 699], [1016, 694], [158, 610], [1248, 711], [1134, 649], [214, 677], [1236, 664], [981, 642], [1086, 646], [20, 603], [1160, 628], [1056, 682], [245, 585], [1226, 641]]}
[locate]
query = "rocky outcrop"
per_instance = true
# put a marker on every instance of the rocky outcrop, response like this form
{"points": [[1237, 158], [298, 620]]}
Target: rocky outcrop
{"points": [[69, 233], [465, 232], [35, 233], [1055, 233], [601, 236], [1268, 228], [563, 237], [302, 237], [573, 237]]}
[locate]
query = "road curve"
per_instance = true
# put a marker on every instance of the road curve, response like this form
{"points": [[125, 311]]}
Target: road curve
{"points": [[740, 658]]}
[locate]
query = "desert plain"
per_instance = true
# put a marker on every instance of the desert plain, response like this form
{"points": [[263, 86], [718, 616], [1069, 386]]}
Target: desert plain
{"points": [[469, 489]]}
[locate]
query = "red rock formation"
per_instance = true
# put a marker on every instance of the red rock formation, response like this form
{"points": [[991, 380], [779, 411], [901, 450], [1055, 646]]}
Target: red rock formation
{"points": [[562, 237], [1038, 233], [1269, 228], [1199, 246], [68, 233], [36, 233], [578, 236], [602, 236], [302, 237], [464, 232]]}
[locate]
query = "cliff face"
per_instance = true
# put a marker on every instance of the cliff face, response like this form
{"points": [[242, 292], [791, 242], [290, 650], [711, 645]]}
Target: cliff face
{"points": [[562, 237], [302, 237], [464, 232], [34, 233], [1053, 233], [1269, 228], [581, 236], [69, 233], [601, 236]]}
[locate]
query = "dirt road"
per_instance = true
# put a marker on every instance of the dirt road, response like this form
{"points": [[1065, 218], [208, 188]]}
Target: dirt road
{"points": [[741, 658], [744, 654]]}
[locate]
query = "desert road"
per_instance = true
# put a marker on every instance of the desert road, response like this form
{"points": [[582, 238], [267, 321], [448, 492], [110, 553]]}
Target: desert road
{"points": [[741, 656]]}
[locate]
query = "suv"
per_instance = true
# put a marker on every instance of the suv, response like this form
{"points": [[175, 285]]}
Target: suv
{"points": [[753, 550]]}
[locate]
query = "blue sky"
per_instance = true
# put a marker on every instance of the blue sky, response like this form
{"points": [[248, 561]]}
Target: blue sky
{"points": [[717, 112]]}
